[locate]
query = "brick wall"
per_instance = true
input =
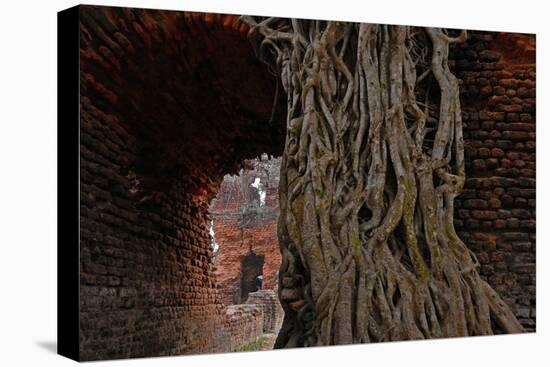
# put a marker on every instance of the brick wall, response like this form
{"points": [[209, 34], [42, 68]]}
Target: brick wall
{"points": [[495, 214], [241, 226], [158, 132], [273, 312], [146, 277], [244, 323]]}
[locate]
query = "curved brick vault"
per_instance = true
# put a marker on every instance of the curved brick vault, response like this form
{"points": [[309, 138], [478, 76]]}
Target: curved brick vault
{"points": [[173, 101], [170, 102]]}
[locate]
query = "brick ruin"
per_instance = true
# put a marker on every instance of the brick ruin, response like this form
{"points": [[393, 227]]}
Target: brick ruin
{"points": [[171, 102], [159, 129], [496, 211], [245, 227]]}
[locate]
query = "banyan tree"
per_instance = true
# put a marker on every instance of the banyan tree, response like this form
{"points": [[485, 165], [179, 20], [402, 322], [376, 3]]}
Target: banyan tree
{"points": [[373, 160]]}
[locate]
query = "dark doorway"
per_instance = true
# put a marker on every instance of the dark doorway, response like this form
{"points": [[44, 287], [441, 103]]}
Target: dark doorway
{"points": [[252, 268]]}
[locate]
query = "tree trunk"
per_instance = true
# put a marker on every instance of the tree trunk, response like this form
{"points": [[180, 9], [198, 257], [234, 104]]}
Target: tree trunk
{"points": [[368, 182]]}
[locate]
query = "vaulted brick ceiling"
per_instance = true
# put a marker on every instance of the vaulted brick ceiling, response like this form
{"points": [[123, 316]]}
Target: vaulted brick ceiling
{"points": [[188, 85]]}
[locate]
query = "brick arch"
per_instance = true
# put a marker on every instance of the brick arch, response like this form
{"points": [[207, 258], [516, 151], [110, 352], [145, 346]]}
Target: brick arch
{"points": [[170, 102]]}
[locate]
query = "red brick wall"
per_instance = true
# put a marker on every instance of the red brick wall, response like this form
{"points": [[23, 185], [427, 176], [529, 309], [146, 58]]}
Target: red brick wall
{"points": [[158, 132], [268, 300], [496, 213], [244, 324], [241, 226]]}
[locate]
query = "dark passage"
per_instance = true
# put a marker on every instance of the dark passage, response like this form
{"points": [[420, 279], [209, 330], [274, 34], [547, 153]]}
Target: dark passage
{"points": [[252, 269]]}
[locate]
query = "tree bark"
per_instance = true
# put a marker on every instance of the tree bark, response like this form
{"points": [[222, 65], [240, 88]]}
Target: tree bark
{"points": [[367, 187]]}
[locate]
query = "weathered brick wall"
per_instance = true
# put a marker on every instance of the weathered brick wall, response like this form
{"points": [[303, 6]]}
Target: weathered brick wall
{"points": [[495, 214], [273, 312], [158, 132], [145, 253], [244, 323], [241, 226]]}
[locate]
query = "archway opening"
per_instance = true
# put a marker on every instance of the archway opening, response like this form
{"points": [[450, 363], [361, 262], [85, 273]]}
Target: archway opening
{"points": [[170, 103], [244, 217], [252, 275]]}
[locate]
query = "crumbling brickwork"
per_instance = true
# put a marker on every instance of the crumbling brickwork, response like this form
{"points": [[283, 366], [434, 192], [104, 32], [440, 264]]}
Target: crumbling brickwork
{"points": [[242, 227], [496, 211], [244, 323], [146, 279], [158, 132], [273, 312]]}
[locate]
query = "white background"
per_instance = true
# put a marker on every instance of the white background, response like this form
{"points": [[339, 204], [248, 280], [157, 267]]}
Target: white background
{"points": [[28, 183]]}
